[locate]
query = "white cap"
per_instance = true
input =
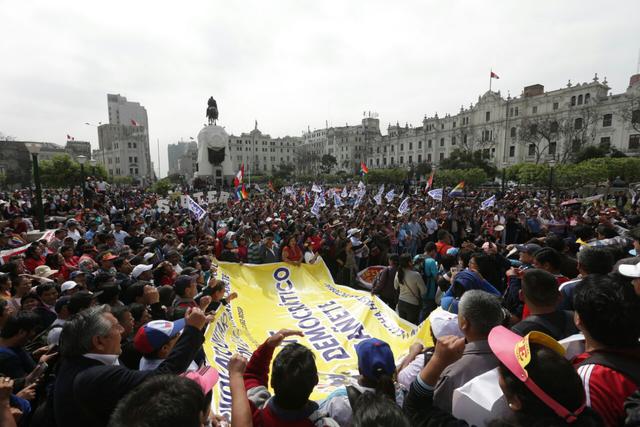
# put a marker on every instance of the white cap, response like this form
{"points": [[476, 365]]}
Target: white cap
{"points": [[444, 323], [353, 231], [148, 240], [67, 286], [629, 270], [148, 256], [139, 269]]}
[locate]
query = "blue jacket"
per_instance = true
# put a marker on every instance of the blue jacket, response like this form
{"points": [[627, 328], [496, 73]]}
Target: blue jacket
{"points": [[468, 280]]}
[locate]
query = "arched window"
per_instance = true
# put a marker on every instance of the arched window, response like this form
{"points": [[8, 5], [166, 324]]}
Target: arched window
{"points": [[579, 99], [513, 132], [587, 97], [573, 101], [577, 124]]}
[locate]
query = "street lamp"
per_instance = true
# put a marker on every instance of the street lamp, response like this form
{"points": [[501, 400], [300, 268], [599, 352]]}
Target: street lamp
{"points": [[34, 150], [93, 166], [82, 160]]}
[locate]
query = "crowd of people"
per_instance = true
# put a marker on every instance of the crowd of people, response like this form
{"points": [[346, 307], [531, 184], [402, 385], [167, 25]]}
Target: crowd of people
{"points": [[102, 319]]}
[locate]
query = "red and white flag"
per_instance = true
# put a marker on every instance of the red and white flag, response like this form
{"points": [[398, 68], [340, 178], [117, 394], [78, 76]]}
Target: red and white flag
{"points": [[239, 176], [430, 181], [134, 123], [494, 75]]}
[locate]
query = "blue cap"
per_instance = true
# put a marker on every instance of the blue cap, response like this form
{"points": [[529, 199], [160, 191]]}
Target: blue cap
{"points": [[453, 251], [375, 358]]}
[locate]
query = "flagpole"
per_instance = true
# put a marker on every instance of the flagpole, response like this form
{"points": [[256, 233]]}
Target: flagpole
{"points": [[490, 72]]}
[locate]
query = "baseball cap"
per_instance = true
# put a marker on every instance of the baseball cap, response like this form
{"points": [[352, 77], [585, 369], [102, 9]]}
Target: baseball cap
{"points": [[147, 256], [444, 323], [67, 286], [530, 248], [629, 270], [76, 273], [62, 302], [515, 354], [375, 358], [206, 377], [139, 269], [148, 240], [155, 334]]}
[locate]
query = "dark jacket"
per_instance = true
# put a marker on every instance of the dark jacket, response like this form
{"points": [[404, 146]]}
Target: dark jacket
{"points": [[383, 286], [86, 391]]}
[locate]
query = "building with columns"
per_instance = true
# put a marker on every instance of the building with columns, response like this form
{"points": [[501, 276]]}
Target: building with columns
{"points": [[537, 126]]}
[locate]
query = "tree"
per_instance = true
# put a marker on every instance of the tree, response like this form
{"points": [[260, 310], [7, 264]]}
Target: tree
{"points": [[450, 177], [459, 159], [631, 113], [162, 186], [284, 172], [422, 169], [328, 162], [60, 171], [386, 176], [175, 178]]}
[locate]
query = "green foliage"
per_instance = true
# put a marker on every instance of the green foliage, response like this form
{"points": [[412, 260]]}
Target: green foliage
{"points": [[451, 177], [284, 171], [589, 172], [328, 162], [60, 171], [162, 187], [175, 178], [386, 176], [422, 169], [121, 180], [459, 159]]}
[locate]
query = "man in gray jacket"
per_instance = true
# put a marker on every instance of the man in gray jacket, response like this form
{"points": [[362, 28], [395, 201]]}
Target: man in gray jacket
{"points": [[478, 313]]}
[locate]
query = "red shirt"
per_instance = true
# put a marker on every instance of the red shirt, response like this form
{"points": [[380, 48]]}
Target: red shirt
{"points": [[294, 254], [442, 247], [31, 263], [605, 389]]}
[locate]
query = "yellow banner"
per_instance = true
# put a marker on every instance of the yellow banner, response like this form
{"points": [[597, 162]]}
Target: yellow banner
{"points": [[333, 318]]}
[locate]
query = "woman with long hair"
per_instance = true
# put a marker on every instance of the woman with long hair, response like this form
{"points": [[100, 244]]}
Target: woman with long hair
{"points": [[412, 289], [540, 386], [33, 257], [291, 252]]}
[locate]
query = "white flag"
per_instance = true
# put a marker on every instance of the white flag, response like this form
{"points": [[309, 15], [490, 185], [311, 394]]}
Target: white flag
{"points": [[361, 185], [436, 194], [378, 199], [195, 208], [491, 201], [381, 190], [358, 201], [390, 196], [320, 199], [315, 209], [337, 202], [316, 188], [404, 206], [345, 193]]}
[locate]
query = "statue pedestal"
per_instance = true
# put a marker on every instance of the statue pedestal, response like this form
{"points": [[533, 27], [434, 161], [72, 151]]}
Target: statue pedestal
{"points": [[214, 155]]}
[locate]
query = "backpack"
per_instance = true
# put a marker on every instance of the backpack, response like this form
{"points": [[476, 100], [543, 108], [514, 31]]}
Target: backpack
{"points": [[627, 366]]}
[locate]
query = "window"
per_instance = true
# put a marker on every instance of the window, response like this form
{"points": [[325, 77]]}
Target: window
{"points": [[129, 144], [410, 159], [429, 144], [485, 153], [587, 97], [555, 106], [635, 116], [533, 129], [453, 125], [511, 112], [419, 145], [605, 141], [411, 146], [487, 116], [401, 147], [391, 160], [419, 158], [442, 126], [532, 149], [634, 142], [573, 101], [552, 148], [441, 142], [453, 140], [512, 151], [513, 132], [554, 127], [516, 111], [579, 99], [441, 156], [606, 120], [534, 110], [135, 159], [464, 139], [136, 171], [577, 124], [401, 159], [384, 161], [429, 157]]}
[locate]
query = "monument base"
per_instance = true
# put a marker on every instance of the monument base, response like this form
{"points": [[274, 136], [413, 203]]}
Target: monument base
{"points": [[214, 155]]}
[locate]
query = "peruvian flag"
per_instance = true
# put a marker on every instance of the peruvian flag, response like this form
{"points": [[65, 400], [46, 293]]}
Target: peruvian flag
{"points": [[363, 168], [134, 123], [430, 181], [239, 176], [494, 75]]}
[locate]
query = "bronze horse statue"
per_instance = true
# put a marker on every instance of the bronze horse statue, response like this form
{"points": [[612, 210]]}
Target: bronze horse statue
{"points": [[212, 111]]}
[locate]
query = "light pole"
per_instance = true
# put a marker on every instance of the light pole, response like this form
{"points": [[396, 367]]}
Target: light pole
{"points": [[34, 150], [93, 167], [82, 159]]}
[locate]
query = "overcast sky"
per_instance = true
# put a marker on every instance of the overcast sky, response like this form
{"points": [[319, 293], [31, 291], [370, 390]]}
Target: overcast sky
{"points": [[293, 63]]}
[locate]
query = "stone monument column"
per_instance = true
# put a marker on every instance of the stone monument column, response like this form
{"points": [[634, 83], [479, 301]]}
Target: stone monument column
{"points": [[214, 155]]}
